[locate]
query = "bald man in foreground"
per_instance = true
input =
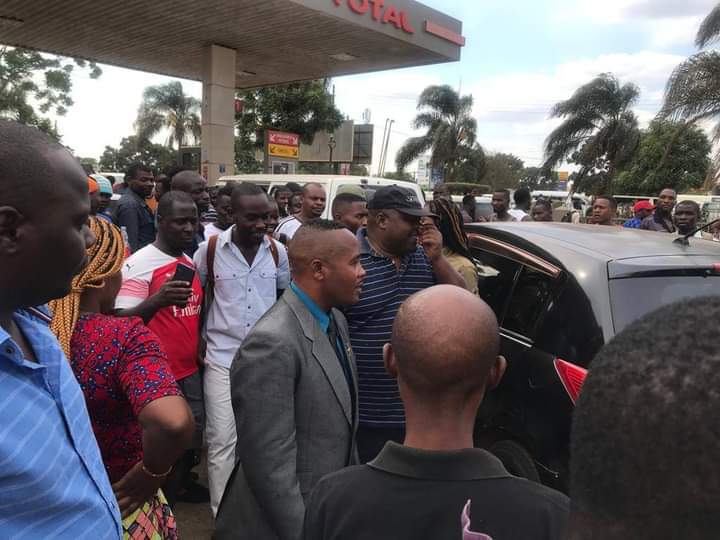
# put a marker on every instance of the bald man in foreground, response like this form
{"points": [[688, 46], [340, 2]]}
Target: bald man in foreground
{"points": [[294, 391], [418, 489]]}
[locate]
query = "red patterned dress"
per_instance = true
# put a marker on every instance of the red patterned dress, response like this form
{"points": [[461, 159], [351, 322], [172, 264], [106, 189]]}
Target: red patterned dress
{"points": [[121, 367]]}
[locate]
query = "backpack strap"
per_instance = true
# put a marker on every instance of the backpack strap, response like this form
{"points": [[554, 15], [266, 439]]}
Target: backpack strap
{"points": [[212, 246], [274, 251]]}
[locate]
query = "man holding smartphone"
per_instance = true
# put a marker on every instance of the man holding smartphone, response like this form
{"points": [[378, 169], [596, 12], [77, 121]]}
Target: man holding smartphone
{"points": [[161, 287]]}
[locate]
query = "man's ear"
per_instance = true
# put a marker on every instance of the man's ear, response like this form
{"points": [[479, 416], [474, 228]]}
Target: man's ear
{"points": [[390, 361], [10, 220], [316, 266], [496, 372]]}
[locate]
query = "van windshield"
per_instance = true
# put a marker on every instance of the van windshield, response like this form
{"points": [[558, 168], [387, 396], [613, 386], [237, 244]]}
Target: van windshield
{"points": [[632, 298]]}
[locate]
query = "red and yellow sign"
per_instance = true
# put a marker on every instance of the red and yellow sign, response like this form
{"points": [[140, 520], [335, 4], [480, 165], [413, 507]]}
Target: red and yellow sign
{"points": [[283, 150], [283, 138]]}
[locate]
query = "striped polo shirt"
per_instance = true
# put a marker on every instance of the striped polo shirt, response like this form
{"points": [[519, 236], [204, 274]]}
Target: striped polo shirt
{"points": [[53, 482], [370, 322]]}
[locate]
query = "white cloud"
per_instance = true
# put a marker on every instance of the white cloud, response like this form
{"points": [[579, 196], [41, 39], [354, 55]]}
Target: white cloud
{"points": [[106, 108], [390, 94], [615, 11], [513, 109]]}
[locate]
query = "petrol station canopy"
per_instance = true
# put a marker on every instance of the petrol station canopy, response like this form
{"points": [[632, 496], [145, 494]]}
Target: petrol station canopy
{"points": [[276, 40]]}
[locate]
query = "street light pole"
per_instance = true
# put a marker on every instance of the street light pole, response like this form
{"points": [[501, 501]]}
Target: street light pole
{"points": [[331, 145]]}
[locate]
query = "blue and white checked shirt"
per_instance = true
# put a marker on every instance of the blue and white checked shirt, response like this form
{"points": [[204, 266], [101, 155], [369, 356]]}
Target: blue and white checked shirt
{"points": [[52, 480], [370, 322]]}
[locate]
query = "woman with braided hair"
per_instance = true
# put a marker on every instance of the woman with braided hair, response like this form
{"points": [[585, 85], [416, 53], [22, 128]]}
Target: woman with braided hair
{"points": [[455, 242], [140, 418]]}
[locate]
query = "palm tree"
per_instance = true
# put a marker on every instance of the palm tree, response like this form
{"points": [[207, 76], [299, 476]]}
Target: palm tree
{"points": [[599, 128], [693, 90], [167, 106], [451, 132]]}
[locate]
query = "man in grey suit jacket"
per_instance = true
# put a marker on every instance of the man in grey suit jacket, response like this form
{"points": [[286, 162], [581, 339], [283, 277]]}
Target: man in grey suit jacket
{"points": [[294, 391]]}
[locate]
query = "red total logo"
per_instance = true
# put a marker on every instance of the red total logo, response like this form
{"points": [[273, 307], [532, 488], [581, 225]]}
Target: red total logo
{"points": [[380, 12]]}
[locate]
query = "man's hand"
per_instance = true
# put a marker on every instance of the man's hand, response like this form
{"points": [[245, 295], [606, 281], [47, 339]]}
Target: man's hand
{"points": [[173, 293], [430, 239], [135, 489]]}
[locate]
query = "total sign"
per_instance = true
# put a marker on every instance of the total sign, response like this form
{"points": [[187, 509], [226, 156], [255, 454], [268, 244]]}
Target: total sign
{"points": [[385, 12], [380, 12]]}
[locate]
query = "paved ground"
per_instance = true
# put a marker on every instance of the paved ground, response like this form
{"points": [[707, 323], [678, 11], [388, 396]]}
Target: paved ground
{"points": [[195, 520]]}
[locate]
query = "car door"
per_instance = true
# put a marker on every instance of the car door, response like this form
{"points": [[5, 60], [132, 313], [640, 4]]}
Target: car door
{"points": [[520, 287]]}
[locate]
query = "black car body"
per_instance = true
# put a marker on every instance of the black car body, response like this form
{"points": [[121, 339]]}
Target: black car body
{"points": [[561, 291]]}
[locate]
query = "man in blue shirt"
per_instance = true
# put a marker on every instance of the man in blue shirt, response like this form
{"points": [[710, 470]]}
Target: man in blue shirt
{"points": [[132, 210], [641, 209], [53, 482], [401, 251]]}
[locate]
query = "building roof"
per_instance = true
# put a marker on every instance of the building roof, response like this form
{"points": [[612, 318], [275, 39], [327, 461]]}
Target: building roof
{"points": [[607, 243], [276, 40]]}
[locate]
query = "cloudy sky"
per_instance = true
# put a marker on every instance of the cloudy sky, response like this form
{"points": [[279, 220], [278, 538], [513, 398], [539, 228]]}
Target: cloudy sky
{"points": [[521, 57]]}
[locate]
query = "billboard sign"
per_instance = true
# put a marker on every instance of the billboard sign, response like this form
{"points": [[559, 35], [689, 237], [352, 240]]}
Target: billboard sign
{"points": [[282, 150], [283, 138]]}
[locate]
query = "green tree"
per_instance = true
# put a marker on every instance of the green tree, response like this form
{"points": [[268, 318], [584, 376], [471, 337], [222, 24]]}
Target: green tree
{"points": [[503, 171], [535, 178], [685, 168], [90, 165], [450, 137], [599, 131], [693, 90], [155, 156], [167, 106], [30, 80], [305, 108]]}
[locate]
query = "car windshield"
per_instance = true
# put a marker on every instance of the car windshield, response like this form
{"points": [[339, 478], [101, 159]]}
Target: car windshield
{"points": [[634, 297]]}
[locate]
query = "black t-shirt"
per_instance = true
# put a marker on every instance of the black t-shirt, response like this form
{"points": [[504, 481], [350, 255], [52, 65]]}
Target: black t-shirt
{"points": [[414, 494]]}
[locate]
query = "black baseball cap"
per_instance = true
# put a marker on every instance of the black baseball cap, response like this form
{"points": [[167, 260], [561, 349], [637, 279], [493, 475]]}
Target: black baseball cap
{"points": [[397, 198]]}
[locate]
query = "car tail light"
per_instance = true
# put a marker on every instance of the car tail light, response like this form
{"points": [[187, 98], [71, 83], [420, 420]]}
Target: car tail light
{"points": [[571, 376]]}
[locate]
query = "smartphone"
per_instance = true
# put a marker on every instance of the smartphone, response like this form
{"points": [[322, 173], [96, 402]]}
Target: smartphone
{"points": [[184, 273]]}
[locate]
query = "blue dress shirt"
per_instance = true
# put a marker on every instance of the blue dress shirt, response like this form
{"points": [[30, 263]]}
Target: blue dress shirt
{"points": [[52, 480]]}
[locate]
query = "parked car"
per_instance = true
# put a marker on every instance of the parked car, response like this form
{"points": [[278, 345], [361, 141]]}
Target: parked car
{"points": [[560, 292], [333, 184], [483, 204]]}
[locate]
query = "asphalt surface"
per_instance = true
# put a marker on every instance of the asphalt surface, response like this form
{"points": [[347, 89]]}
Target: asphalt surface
{"points": [[195, 521]]}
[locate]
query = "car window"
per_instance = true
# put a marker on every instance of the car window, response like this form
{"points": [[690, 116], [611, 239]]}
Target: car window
{"points": [[496, 279], [570, 329], [528, 301], [634, 297]]}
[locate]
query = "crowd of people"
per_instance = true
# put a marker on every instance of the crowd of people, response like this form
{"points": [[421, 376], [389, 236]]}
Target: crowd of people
{"points": [[667, 216], [320, 361]]}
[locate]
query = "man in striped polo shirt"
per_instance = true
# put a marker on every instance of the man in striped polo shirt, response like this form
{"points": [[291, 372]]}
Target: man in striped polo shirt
{"points": [[401, 251]]}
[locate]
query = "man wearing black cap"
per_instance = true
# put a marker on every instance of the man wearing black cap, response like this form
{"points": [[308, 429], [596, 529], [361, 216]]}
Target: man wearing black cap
{"points": [[401, 251]]}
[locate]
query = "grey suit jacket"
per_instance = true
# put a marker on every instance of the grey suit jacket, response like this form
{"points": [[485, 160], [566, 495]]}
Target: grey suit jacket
{"points": [[293, 414]]}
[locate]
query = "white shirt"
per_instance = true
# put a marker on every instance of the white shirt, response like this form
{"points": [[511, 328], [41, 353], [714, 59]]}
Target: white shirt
{"points": [[287, 226], [518, 214], [212, 230], [243, 293]]}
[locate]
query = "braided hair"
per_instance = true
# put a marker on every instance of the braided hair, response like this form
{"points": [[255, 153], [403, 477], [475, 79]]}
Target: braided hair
{"points": [[105, 259], [451, 226]]}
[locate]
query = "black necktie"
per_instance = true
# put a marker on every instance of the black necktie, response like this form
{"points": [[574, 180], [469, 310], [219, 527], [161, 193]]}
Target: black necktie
{"points": [[337, 344]]}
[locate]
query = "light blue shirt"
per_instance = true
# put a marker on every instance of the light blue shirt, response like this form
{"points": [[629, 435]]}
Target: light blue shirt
{"points": [[320, 316], [323, 319], [53, 482]]}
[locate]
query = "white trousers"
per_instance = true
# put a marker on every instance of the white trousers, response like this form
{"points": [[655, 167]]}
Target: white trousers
{"points": [[219, 430]]}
